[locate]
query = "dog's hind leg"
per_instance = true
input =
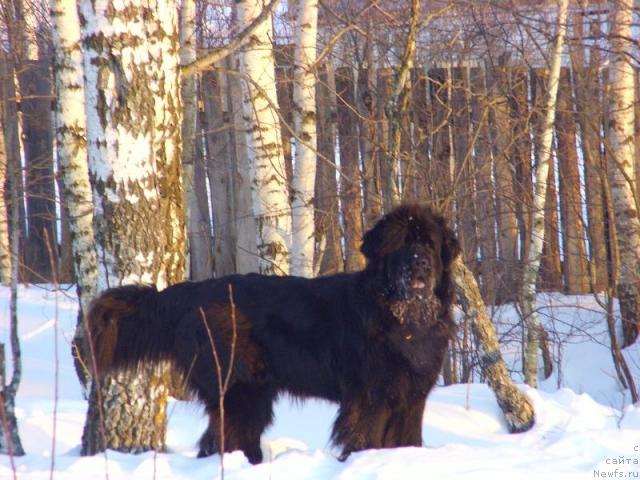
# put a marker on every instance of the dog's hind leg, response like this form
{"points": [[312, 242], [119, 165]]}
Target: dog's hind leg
{"points": [[248, 411]]}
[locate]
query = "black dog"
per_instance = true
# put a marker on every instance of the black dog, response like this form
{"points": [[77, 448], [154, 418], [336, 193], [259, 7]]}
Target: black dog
{"points": [[372, 341]]}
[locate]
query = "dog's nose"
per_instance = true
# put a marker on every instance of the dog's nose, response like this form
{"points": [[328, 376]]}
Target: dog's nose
{"points": [[420, 262]]}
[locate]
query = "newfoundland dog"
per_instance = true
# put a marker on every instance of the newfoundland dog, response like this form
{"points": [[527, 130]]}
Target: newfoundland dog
{"points": [[372, 341]]}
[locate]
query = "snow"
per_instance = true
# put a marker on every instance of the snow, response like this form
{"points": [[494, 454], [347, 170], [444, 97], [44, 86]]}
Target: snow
{"points": [[587, 429]]}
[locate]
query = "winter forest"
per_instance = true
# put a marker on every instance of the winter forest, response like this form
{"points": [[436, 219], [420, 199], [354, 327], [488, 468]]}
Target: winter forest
{"points": [[160, 141]]}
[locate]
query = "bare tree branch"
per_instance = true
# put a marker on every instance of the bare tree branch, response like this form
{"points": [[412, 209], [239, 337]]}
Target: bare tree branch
{"points": [[219, 54]]}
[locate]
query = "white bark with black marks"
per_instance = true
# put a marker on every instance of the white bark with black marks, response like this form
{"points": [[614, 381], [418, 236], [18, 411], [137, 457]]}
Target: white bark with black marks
{"points": [[622, 175], [134, 114], [269, 183], [532, 265], [304, 118]]}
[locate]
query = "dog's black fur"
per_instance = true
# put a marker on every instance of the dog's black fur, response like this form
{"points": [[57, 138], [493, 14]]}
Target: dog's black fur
{"points": [[372, 341]]}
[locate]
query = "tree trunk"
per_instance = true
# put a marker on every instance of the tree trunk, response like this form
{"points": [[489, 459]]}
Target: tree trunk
{"points": [[576, 277], [516, 407], [419, 187], [528, 294], [588, 97], [71, 143], [439, 172], [550, 271], [197, 211], [247, 258], [10, 438], [5, 248], [134, 149], [480, 108], [12, 135], [284, 93], [621, 168], [35, 86], [217, 123], [384, 88], [507, 222], [397, 108], [521, 156], [464, 167], [270, 193], [304, 119], [350, 196], [367, 103], [329, 258]]}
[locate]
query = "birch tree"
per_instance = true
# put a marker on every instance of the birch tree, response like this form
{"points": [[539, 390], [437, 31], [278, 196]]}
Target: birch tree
{"points": [[271, 208], [5, 249], [304, 118], [621, 169], [10, 442], [517, 408], [71, 142], [532, 265], [134, 113]]}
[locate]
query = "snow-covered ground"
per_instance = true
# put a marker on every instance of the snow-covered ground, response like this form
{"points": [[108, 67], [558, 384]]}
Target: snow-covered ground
{"points": [[586, 429]]}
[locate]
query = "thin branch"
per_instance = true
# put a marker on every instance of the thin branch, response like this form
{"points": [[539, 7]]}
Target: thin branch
{"points": [[222, 385]]}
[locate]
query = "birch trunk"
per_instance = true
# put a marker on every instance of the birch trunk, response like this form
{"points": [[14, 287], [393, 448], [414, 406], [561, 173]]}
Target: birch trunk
{"points": [[134, 109], [71, 142], [10, 442], [621, 170], [5, 248], [528, 292], [304, 118], [516, 407], [247, 258], [270, 196]]}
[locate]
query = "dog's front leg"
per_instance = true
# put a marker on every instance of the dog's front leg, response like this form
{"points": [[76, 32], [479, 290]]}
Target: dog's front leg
{"points": [[360, 425], [404, 428]]}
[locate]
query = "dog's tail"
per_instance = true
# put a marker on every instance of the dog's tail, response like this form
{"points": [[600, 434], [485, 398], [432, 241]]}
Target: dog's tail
{"points": [[127, 326]]}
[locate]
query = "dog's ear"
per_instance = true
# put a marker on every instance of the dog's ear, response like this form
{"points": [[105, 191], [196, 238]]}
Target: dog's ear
{"points": [[373, 240], [450, 248]]}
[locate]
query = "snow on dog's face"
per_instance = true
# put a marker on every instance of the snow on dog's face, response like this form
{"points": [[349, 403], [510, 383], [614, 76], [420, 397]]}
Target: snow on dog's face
{"points": [[412, 250]]}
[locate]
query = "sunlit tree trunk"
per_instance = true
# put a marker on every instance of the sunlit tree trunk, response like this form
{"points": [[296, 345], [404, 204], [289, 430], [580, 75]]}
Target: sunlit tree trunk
{"points": [[516, 407], [71, 142], [270, 195], [588, 91], [621, 170], [304, 118], [10, 442], [5, 248], [134, 113], [528, 293]]}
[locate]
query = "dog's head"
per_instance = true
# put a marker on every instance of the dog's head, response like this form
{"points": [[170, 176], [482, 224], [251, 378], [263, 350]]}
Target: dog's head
{"points": [[412, 248]]}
